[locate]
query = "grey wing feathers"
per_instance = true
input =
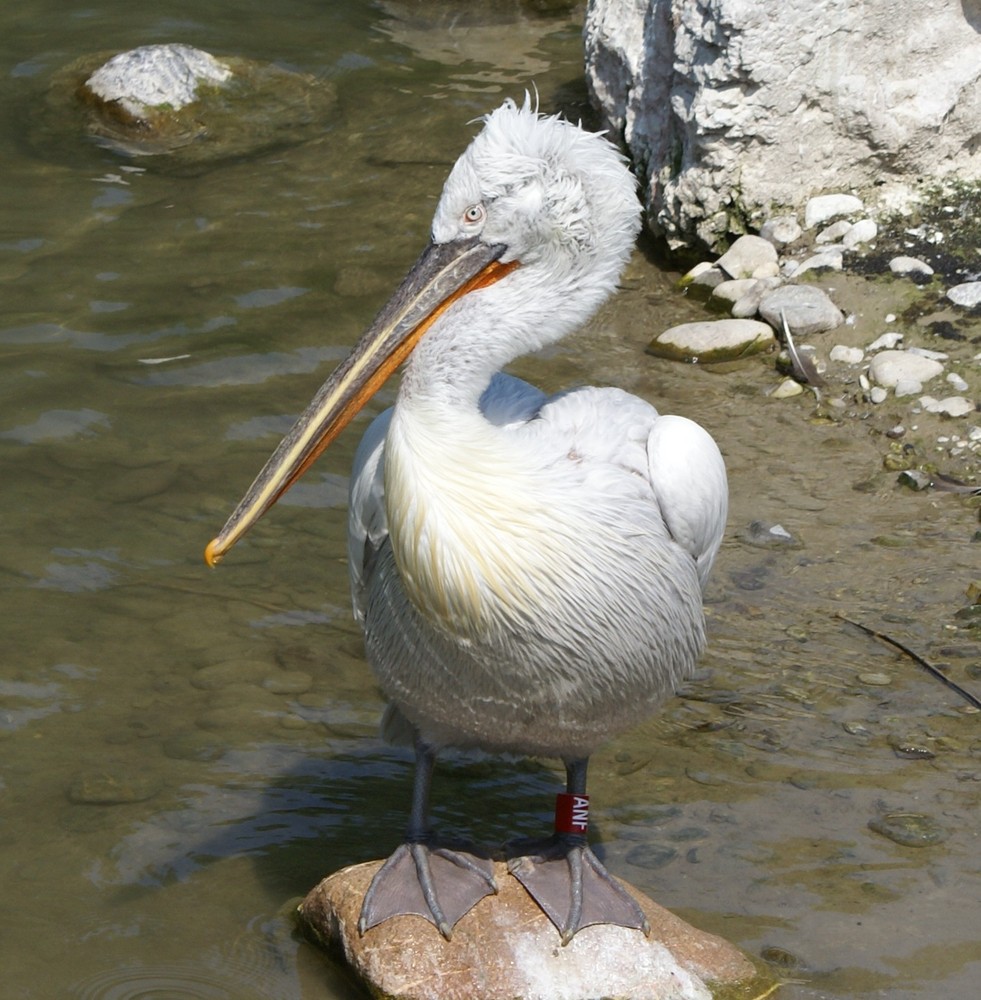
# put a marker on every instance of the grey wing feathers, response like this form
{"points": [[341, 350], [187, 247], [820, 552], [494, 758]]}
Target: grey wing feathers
{"points": [[367, 526]]}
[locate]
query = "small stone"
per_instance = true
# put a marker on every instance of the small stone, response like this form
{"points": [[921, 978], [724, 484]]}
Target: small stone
{"points": [[910, 749], [651, 856], [886, 342], [701, 268], [106, 787], [909, 265], [909, 829], [925, 352], [875, 679], [746, 255], [907, 387], [288, 682], [829, 206], [827, 258], [847, 355], [957, 382], [193, 745], [861, 232], [878, 395], [765, 535], [807, 309], [967, 295], [746, 307], [950, 406], [771, 269], [220, 675], [733, 289], [834, 232], [895, 368], [713, 340], [787, 388], [914, 479], [781, 230]]}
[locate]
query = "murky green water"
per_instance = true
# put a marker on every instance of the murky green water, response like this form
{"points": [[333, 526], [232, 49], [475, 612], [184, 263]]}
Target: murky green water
{"points": [[185, 751]]}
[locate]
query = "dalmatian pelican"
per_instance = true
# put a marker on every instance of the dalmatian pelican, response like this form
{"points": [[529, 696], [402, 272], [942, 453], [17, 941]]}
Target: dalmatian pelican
{"points": [[528, 569]]}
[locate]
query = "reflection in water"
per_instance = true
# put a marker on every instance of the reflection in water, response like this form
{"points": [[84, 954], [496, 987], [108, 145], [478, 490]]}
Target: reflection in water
{"points": [[183, 752]]}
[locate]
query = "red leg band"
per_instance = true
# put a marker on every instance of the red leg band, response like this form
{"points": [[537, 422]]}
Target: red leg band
{"points": [[571, 813]]}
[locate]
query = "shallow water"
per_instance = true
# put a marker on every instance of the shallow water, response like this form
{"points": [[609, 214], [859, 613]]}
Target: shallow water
{"points": [[185, 752]]}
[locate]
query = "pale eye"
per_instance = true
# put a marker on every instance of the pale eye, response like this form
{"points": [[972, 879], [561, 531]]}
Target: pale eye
{"points": [[474, 214]]}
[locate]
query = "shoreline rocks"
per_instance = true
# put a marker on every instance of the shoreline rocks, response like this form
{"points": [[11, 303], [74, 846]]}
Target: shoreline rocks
{"points": [[852, 373]]}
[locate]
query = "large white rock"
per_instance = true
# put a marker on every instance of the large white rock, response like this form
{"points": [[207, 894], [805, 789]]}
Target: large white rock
{"points": [[736, 109]]}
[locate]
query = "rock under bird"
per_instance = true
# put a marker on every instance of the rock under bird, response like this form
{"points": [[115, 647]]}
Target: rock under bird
{"points": [[528, 569]]}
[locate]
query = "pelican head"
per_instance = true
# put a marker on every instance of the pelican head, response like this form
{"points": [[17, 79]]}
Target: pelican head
{"points": [[534, 226]]}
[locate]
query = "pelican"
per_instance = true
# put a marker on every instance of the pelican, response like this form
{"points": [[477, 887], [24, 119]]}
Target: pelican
{"points": [[528, 569]]}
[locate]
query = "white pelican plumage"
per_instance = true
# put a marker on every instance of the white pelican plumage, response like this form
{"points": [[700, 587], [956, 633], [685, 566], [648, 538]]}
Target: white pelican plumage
{"points": [[528, 569]]}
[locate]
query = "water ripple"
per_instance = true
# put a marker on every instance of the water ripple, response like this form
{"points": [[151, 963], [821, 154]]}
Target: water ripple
{"points": [[246, 369], [57, 425]]}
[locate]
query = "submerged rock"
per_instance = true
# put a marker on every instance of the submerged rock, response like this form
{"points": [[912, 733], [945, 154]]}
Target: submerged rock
{"points": [[112, 786], [183, 104], [156, 78], [909, 829]]}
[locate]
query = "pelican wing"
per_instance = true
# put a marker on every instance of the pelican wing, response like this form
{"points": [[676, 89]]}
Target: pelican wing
{"points": [[679, 459], [688, 477]]}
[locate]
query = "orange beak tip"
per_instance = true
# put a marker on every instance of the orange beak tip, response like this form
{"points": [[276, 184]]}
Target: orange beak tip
{"points": [[211, 557]]}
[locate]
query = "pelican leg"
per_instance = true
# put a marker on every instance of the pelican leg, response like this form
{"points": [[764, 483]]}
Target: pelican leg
{"points": [[568, 881], [422, 878]]}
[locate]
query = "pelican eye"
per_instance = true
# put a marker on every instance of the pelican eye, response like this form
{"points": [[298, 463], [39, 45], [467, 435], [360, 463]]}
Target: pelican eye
{"points": [[474, 214]]}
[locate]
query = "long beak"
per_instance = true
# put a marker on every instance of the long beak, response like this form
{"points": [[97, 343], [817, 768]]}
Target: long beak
{"points": [[443, 274]]}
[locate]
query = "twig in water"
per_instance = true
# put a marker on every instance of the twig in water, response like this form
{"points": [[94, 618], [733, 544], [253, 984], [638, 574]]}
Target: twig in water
{"points": [[928, 667]]}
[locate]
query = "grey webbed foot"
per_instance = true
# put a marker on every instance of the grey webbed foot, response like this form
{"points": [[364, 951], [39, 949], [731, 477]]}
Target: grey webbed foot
{"points": [[572, 886], [432, 882]]}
